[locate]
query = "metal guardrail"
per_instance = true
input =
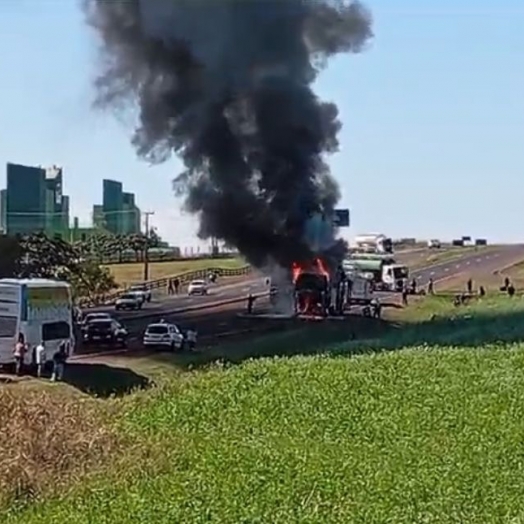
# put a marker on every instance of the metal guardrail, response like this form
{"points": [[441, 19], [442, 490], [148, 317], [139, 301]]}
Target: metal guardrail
{"points": [[162, 283]]}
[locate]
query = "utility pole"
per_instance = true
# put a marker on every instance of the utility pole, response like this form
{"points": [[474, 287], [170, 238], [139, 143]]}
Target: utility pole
{"points": [[146, 249]]}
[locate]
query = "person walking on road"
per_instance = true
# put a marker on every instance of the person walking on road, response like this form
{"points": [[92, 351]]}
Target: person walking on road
{"points": [[40, 359], [470, 286], [170, 288], [431, 287], [177, 285], [59, 362], [191, 337], [19, 353], [250, 303]]}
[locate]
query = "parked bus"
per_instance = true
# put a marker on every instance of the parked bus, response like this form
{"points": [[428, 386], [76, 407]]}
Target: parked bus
{"points": [[39, 309]]}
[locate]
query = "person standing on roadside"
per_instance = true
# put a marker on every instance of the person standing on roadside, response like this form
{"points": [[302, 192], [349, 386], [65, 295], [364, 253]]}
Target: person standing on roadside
{"points": [[431, 287], [191, 338], [405, 295], [177, 285], [40, 359], [19, 352]]}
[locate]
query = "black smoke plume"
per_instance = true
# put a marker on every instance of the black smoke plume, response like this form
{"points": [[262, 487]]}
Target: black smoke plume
{"points": [[226, 85]]}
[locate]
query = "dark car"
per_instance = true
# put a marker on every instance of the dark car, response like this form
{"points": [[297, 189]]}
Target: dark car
{"points": [[106, 331], [91, 317]]}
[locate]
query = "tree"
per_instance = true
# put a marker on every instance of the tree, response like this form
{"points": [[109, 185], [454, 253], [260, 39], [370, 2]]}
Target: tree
{"points": [[90, 280], [53, 258], [43, 257], [138, 244], [10, 256]]}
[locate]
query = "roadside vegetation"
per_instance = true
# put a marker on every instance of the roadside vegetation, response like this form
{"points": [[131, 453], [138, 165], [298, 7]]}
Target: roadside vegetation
{"points": [[82, 263], [125, 274], [429, 430]]}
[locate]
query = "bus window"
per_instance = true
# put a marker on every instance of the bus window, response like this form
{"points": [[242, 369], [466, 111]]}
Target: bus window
{"points": [[56, 331], [7, 327]]}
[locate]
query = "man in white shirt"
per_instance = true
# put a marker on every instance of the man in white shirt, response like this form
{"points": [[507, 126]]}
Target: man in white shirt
{"points": [[40, 358]]}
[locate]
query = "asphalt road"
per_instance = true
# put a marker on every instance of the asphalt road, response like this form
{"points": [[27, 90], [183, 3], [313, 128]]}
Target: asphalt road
{"points": [[163, 304], [223, 320], [482, 261]]}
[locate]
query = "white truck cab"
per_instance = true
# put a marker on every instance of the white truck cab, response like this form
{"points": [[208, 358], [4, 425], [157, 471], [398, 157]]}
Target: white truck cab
{"points": [[39, 309]]}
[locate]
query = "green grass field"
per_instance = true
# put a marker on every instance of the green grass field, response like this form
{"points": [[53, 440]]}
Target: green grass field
{"points": [[126, 274], [430, 430]]}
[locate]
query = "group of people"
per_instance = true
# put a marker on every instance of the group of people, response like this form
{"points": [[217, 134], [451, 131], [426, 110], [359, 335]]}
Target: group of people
{"points": [[173, 286], [39, 358]]}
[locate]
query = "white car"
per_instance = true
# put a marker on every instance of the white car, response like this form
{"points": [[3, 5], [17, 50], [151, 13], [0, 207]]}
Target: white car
{"points": [[129, 301], [434, 243], [142, 290], [163, 335], [197, 287]]}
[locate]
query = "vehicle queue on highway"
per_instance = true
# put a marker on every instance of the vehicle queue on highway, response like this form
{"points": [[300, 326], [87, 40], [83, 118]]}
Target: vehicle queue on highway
{"points": [[39, 310], [102, 329]]}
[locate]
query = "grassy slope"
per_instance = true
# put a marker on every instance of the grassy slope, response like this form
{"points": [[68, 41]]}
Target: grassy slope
{"points": [[129, 273], [427, 434]]}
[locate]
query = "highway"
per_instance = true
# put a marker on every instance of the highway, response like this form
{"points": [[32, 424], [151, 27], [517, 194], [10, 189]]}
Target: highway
{"points": [[485, 261], [212, 322], [162, 303]]}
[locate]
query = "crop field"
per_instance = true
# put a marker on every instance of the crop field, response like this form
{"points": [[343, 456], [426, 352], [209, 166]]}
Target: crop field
{"points": [[126, 274], [422, 423]]}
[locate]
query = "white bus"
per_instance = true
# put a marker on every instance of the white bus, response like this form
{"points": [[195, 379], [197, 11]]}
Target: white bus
{"points": [[40, 310]]}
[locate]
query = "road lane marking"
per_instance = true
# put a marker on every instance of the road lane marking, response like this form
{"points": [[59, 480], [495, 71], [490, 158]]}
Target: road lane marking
{"points": [[457, 266], [446, 269], [432, 273]]}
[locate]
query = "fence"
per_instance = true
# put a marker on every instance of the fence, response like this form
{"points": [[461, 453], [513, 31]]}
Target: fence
{"points": [[162, 283]]}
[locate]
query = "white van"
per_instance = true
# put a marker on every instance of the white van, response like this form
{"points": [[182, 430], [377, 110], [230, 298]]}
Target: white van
{"points": [[40, 309]]}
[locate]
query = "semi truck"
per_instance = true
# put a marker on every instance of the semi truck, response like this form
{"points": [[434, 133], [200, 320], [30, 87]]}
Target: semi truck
{"points": [[40, 310], [374, 243], [383, 272]]}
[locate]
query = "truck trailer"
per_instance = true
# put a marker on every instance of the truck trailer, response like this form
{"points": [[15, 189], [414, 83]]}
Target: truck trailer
{"points": [[384, 272], [374, 243]]}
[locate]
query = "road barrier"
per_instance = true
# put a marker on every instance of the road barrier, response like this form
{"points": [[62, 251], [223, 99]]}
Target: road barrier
{"points": [[162, 283]]}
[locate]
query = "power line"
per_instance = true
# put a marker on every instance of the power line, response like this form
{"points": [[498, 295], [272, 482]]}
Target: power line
{"points": [[147, 214]]}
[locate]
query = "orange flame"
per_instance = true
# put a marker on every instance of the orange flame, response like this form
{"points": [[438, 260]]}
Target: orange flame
{"points": [[316, 266]]}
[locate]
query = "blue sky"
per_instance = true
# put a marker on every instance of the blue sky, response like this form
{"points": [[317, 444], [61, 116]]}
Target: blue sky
{"points": [[433, 118]]}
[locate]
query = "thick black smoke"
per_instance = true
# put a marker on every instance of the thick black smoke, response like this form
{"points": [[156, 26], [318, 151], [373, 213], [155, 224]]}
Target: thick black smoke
{"points": [[226, 85]]}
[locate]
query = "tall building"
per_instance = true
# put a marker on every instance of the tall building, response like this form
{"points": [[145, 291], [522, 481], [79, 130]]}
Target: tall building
{"points": [[25, 199], [66, 226], [3, 210], [130, 215], [118, 213], [57, 205], [99, 221], [113, 204]]}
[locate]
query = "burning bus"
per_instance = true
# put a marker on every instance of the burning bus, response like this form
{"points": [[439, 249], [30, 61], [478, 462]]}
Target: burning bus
{"points": [[319, 291], [311, 283]]}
